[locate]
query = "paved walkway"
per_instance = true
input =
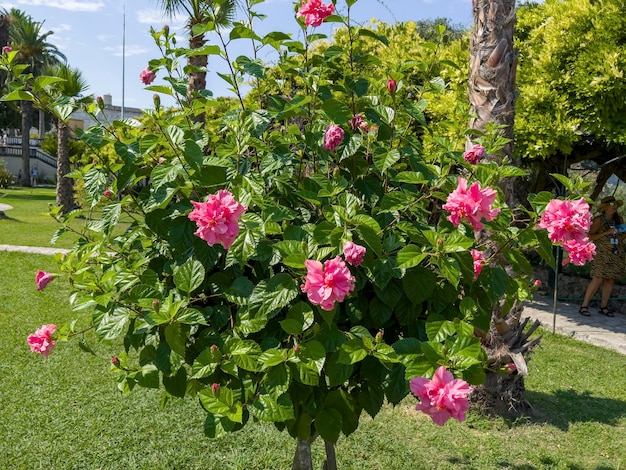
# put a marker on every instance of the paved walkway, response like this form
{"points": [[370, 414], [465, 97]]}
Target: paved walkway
{"points": [[598, 329], [607, 332]]}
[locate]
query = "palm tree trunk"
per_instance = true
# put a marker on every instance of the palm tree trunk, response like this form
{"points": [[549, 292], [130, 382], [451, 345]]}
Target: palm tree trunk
{"points": [[197, 80], [493, 64], [493, 67], [4, 30], [27, 107], [65, 190]]}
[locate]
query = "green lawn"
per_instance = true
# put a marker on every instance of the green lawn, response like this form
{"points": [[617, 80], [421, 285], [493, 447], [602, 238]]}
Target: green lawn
{"points": [[29, 222], [66, 413]]}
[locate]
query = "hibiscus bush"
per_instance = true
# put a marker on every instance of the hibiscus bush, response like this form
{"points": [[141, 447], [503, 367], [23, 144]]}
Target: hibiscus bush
{"points": [[300, 259]]}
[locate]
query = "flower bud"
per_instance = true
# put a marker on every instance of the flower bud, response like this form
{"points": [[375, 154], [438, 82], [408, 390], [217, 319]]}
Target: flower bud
{"points": [[379, 337], [537, 284], [157, 101], [161, 160], [108, 193], [7, 49], [214, 347], [100, 102], [166, 29], [215, 388], [392, 86], [156, 304], [296, 348], [115, 361], [510, 367]]}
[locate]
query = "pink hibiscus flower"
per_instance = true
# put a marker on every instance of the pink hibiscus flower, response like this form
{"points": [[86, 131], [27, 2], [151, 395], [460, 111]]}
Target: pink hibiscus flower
{"points": [[41, 341], [566, 220], [474, 154], [333, 137], [217, 218], [147, 76], [328, 283], [42, 279], [477, 255], [471, 205], [315, 12], [578, 252], [354, 253], [443, 397]]}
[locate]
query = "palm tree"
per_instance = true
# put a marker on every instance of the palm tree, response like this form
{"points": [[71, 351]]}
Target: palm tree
{"points": [[198, 12], [492, 91], [4, 29], [66, 94], [33, 48]]}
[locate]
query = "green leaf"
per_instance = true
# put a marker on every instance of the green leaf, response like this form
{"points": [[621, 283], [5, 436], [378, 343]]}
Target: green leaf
{"points": [[410, 256], [189, 276], [336, 372], [191, 316], [337, 111], [275, 293], [371, 239], [193, 154], [206, 363], [149, 377], [371, 398], [221, 402], [176, 335], [345, 404], [419, 284], [385, 159], [306, 373], [328, 424], [110, 325], [450, 269], [352, 351], [266, 408], [371, 34]]}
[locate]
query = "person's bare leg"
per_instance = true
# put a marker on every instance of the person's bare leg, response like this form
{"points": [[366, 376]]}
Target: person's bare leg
{"points": [[592, 288], [607, 288]]}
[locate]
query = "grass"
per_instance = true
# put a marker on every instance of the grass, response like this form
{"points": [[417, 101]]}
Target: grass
{"points": [[66, 413], [29, 222]]}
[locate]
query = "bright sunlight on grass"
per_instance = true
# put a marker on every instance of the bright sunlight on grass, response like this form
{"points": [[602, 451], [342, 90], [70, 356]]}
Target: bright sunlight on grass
{"points": [[65, 412], [29, 222]]}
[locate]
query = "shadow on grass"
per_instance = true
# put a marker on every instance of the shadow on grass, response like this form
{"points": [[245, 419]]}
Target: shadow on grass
{"points": [[564, 407], [30, 197], [546, 462]]}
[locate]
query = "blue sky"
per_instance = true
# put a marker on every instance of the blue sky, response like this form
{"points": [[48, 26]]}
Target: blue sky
{"points": [[90, 33]]}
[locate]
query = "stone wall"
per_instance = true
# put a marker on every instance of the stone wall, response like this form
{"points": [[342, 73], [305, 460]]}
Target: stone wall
{"points": [[572, 289]]}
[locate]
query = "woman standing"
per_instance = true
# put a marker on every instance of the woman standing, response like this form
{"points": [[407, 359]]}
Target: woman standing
{"points": [[609, 262]]}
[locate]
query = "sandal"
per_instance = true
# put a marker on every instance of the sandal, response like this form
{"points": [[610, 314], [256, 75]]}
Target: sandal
{"points": [[584, 311], [606, 311]]}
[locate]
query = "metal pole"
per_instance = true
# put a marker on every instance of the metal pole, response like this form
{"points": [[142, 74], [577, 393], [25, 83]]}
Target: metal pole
{"points": [[556, 286], [123, 56]]}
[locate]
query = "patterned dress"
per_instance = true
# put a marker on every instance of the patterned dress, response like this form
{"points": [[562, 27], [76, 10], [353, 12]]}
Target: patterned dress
{"points": [[606, 264]]}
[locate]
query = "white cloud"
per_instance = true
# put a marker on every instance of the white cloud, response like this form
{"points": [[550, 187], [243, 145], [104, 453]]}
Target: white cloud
{"points": [[72, 5], [149, 17], [131, 50]]}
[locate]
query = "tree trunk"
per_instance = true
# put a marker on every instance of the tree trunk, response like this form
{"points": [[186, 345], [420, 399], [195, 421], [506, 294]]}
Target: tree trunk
{"points": [[197, 80], [493, 64], [4, 30], [42, 124], [27, 107], [331, 458], [65, 189], [302, 459]]}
